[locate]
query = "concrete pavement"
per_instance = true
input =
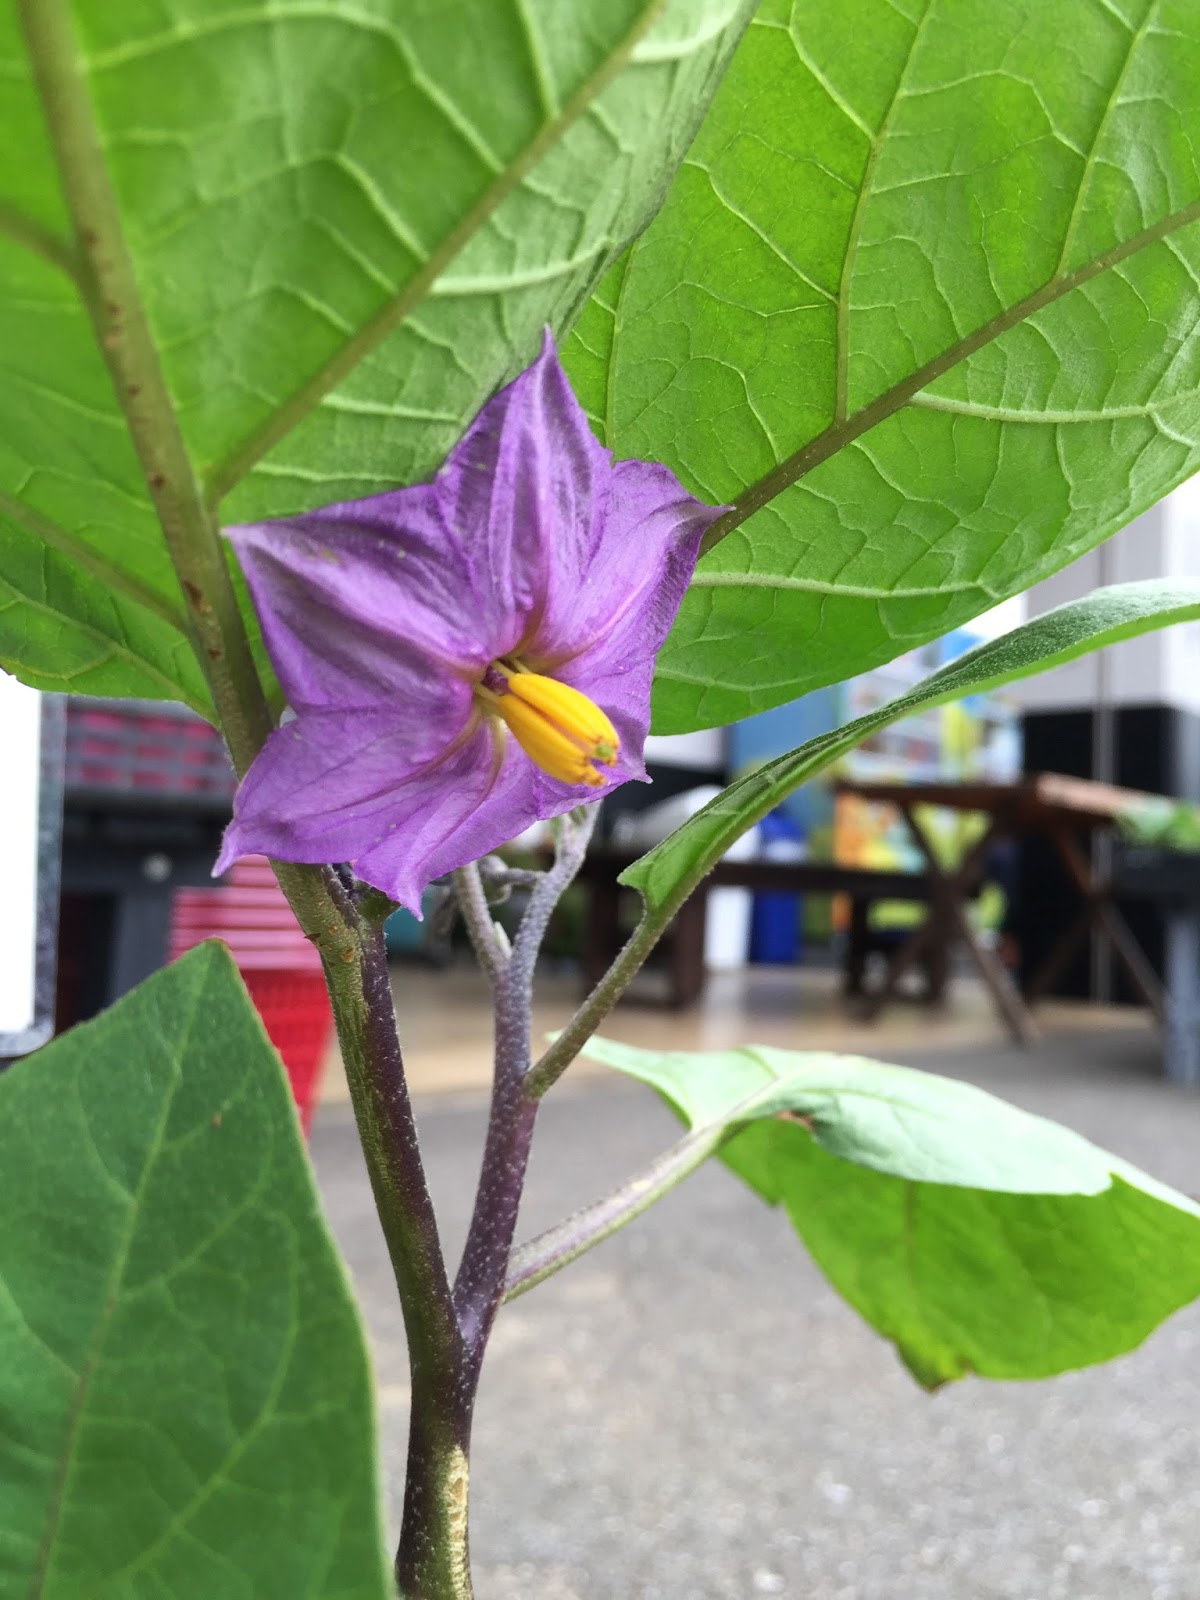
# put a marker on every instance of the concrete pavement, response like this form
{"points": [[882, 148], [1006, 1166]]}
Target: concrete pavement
{"points": [[690, 1413]]}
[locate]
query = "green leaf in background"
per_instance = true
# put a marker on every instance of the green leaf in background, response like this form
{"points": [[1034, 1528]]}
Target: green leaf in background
{"points": [[666, 874], [1165, 824], [922, 304], [974, 1236], [348, 223], [185, 1399]]}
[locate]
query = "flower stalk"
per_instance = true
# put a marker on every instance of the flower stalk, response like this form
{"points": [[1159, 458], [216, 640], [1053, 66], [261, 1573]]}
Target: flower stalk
{"points": [[433, 1561]]}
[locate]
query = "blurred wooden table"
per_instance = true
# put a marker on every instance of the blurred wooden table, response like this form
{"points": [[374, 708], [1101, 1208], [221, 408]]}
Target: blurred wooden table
{"points": [[1058, 808], [685, 955]]}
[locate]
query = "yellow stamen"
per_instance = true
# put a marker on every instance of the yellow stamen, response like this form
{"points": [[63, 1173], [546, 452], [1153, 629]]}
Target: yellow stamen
{"points": [[558, 727]]}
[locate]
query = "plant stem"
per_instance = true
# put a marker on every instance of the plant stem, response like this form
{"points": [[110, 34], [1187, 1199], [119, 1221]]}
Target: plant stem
{"points": [[446, 1350], [432, 1560], [479, 1287], [559, 1055], [472, 902], [539, 1259], [109, 289], [432, 1563]]}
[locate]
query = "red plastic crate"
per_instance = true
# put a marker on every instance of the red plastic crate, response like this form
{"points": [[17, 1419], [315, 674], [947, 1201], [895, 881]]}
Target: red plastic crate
{"points": [[297, 1015], [279, 967]]}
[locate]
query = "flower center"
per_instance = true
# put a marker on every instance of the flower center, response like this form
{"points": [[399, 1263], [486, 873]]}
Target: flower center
{"points": [[558, 727]]}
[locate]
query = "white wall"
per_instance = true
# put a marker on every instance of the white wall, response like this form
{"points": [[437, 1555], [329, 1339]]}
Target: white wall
{"points": [[703, 750], [1161, 668], [20, 738]]}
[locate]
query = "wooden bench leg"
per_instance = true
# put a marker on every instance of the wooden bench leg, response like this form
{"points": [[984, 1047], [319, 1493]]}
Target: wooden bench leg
{"points": [[687, 950], [602, 930], [854, 969]]}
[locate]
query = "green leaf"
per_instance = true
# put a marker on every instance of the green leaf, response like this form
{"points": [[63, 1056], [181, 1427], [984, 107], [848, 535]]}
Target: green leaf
{"points": [[666, 874], [974, 1236], [922, 305], [348, 225], [185, 1399]]}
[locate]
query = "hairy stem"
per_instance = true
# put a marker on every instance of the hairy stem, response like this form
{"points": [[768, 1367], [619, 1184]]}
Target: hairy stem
{"points": [[472, 902], [109, 289], [432, 1565], [479, 1287], [539, 1259], [433, 1560], [559, 1055]]}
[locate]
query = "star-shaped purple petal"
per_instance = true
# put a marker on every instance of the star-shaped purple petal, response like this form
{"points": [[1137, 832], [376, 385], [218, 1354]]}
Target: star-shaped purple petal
{"points": [[385, 619]]}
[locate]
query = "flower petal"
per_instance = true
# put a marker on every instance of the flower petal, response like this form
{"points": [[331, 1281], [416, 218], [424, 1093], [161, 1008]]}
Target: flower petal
{"points": [[316, 789], [381, 616], [470, 806], [625, 603], [530, 482], [326, 788], [354, 596]]}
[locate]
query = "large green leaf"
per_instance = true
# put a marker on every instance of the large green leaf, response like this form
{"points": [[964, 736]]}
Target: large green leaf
{"points": [[668, 872], [185, 1400], [922, 303], [976, 1237], [348, 224]]}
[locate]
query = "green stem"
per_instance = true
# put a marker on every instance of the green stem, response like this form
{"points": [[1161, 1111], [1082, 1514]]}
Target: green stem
{"points": [[549, 1252], [352, 951], [109, 288], [555, 1060]]}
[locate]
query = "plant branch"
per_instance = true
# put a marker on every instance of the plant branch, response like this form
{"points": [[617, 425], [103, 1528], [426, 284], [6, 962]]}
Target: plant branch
{"points": [[573, 833], [479, 1286], [559, 1055], [431, 1561], [362, 1001], [110, 293], [532, 1263], [472, 902]]}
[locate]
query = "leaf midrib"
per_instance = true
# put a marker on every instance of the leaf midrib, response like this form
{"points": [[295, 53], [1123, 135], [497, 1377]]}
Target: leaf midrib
{"points": [[227, 473], [68, 544], [87, 1372], [865, 189], [840, 434]]}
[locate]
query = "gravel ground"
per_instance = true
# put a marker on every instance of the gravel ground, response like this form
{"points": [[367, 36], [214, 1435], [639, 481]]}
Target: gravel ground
{"points": [[689, 1413]]}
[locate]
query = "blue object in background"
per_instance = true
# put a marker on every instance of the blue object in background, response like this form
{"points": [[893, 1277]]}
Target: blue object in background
{"points": [[775, 917], [403, 934]]}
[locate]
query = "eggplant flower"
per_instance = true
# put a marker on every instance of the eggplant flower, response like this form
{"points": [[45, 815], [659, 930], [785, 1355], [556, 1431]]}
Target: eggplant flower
{"points": [[468, 656]]}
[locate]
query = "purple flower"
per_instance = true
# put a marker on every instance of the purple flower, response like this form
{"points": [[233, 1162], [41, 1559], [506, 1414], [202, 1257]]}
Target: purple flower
{"points": [[466, 656]]}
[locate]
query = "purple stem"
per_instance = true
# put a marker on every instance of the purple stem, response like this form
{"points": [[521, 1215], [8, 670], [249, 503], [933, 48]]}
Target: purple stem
{"points": [[479, 1287]]}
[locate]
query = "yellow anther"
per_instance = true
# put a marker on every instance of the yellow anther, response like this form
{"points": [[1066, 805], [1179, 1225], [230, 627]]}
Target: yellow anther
{"points": [[558, 727]]}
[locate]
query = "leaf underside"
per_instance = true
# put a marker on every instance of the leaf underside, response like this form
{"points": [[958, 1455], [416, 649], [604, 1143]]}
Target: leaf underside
{"points": [[349, 225], [922, 305], [977, 1238], [185, 1397]]}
